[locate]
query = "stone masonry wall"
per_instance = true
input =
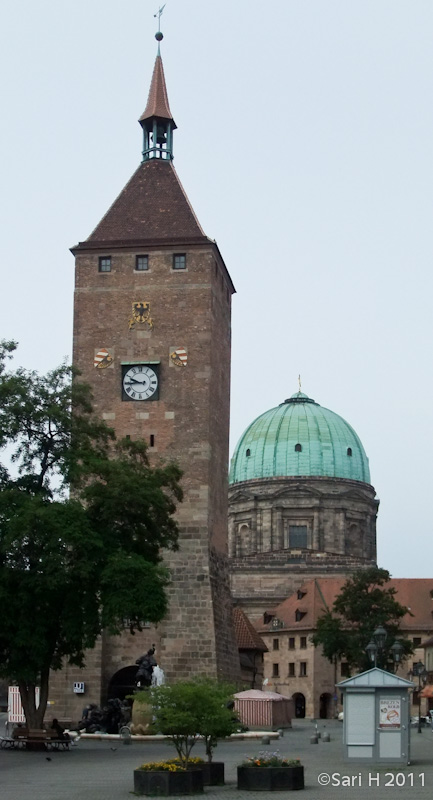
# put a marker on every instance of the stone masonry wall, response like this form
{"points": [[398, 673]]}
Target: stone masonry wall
{"points": [[190, 309]]}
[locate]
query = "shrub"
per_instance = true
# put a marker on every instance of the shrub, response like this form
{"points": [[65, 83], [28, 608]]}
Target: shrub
{"points": [[188, 710]]}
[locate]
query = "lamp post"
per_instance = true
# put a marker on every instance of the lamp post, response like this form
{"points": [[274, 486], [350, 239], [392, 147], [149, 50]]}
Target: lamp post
{"points": [[419, 670], [376, 646]]}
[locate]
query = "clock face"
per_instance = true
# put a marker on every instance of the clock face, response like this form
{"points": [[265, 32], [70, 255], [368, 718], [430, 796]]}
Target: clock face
{"points": [[140, 382]]}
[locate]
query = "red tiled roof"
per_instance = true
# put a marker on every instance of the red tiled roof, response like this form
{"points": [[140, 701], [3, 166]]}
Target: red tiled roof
{"points": [[157, 102], [246, 636], [153, 205], [319, 594], [416, 594]]}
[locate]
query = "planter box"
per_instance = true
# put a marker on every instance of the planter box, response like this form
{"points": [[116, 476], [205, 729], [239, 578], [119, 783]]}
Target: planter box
{"points": [[270, 779], [163, 784], [213, 773]]}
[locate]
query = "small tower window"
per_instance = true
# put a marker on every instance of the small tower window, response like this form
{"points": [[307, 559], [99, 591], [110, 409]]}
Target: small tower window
{"points": [[141, 263], [349, 451], [298, 448], [105, 264], [152, 440], [248, 453], [179, 261]]}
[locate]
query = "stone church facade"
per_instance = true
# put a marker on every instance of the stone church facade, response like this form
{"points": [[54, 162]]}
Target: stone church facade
{"points": [[301, 505]]}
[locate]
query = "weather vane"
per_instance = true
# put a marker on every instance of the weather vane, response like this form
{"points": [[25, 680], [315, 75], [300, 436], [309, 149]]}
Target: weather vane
{"points": [[159, 36], [299, 382]]}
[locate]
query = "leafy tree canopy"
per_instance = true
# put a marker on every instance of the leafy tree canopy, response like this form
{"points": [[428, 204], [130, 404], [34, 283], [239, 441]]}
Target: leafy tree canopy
{"points": [[185, 710], [73, 564], [364, 603]]}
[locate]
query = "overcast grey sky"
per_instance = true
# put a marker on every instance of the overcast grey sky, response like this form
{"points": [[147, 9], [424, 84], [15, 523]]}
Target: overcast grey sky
{"points": [[304, 143]]}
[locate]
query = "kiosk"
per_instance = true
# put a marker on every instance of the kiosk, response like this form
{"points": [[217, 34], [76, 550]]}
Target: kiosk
{"points": [[376, 725]]}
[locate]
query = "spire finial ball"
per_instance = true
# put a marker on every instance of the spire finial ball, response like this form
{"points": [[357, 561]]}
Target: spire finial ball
{"points": [[159, 36]]}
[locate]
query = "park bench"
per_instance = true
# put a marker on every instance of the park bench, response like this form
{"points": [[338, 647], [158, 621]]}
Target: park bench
{"points": [[34, 739]]}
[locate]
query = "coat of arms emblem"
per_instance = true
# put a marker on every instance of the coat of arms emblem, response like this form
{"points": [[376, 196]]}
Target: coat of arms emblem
{"points": [[140, 315], [103, 359], [179, 357]]}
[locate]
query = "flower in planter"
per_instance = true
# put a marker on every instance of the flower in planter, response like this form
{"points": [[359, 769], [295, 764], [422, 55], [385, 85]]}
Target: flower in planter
{"points": [[264, 759], [162, 766], [193, 761]]}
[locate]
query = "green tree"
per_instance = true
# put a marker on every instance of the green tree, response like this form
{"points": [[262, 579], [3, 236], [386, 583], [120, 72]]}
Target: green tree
{"points": [[364, 603], [73, 564], [189, 709]]}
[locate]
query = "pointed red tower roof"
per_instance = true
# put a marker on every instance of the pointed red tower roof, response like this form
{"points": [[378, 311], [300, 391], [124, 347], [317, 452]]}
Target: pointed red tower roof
{"points": [[152, 207], [157, 102]]}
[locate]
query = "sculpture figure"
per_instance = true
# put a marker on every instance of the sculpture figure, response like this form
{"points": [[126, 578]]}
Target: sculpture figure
{"points": [[158, 677], [146, 665]]}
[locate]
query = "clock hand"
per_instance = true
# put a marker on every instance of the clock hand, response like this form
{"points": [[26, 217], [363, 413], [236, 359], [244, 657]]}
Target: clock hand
{"points": [[135, 380]]}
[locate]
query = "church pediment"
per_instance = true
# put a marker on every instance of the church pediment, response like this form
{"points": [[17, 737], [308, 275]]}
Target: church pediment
{"points": [[352, 494], [296, 490], [240, 497]]}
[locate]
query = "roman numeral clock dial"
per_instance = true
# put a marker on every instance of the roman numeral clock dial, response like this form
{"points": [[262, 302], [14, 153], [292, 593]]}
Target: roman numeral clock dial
{"points": [[140, 382]]}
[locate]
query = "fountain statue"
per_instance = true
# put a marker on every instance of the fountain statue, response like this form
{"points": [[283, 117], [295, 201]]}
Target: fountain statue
{"points": [[146, 665]]}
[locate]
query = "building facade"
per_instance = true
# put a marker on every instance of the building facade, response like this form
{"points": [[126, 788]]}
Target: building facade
{"points": [[294, 667]]}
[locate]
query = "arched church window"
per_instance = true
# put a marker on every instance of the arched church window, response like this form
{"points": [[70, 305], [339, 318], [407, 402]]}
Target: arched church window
{"points": [[248, 453], [244, 541], [349, 451], [298, 448]]}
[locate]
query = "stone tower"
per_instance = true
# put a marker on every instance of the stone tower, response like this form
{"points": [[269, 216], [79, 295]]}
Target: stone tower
{"points": [[152, 338]]}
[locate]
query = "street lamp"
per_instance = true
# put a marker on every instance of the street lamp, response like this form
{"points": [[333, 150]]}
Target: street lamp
{"points": [[377, 645], [397, 652], [419, 670]]}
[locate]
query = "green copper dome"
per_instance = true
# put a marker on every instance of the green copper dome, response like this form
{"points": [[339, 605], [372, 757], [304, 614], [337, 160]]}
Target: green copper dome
{"points": [[299, 437]]}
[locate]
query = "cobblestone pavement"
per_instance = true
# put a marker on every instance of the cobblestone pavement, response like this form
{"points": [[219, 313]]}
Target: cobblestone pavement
{"points": [[101, 770]]}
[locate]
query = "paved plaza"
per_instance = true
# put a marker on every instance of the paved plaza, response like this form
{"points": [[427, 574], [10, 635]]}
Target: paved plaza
{"points": [[102, 770]]}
